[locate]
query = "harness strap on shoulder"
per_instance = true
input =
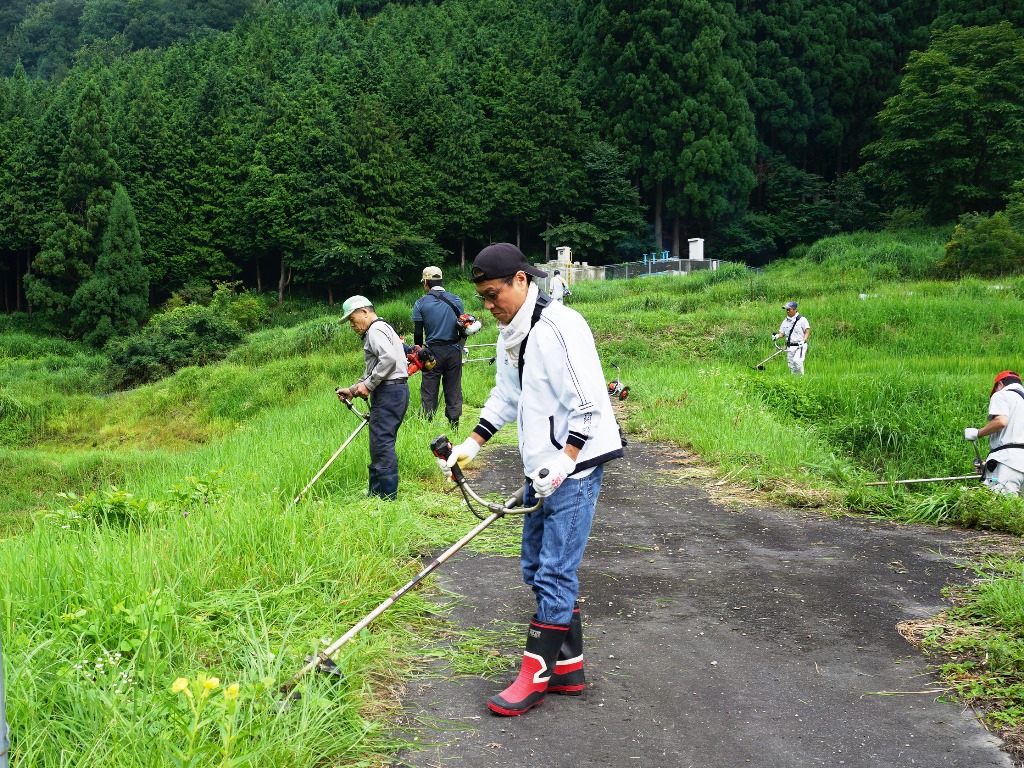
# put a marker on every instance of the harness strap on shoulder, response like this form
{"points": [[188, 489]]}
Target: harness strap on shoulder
{"points": [[440, 295], [542, 301], [1020, 394], [789, 338]]}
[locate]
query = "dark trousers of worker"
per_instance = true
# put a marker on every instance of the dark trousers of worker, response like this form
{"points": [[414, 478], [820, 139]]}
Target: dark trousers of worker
{"points": [[447, 373], [388, 404]]}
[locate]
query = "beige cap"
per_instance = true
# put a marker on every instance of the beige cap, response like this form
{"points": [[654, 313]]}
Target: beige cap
{"points": [[432, 273]]}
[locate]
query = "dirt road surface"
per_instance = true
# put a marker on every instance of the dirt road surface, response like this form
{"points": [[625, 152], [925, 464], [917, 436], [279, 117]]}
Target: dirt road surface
{"points": [[717, 636]]}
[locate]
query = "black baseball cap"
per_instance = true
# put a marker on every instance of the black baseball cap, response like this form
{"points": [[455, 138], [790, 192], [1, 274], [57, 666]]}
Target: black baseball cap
{"points": [[499, 260]]}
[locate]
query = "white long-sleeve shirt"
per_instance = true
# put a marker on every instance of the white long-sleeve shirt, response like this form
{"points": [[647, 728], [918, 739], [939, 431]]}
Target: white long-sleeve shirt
{"points": [[563, 398], [1008, 402]]}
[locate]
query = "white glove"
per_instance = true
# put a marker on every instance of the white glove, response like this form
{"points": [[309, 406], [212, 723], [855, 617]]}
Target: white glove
{"points": [[559, 467], [463, 453], [971, 433]]}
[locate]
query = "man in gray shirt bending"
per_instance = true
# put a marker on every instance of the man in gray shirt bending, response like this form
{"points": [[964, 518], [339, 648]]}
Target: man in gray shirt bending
{"points": [[385, 383]]}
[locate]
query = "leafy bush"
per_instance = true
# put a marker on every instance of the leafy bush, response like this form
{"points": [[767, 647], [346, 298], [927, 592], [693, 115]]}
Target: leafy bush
{"points": [[245, 308], [247, 311], [112, 507], [190, 293], [188, 335], [984, 245]]}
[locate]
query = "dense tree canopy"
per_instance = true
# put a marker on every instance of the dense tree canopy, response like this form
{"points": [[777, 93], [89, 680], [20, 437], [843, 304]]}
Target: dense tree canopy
{"points": [[952, 137], [321, 145]]}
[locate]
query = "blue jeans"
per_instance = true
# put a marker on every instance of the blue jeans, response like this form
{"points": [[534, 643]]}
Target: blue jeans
{"points": [[554, 538], [388, 403]]}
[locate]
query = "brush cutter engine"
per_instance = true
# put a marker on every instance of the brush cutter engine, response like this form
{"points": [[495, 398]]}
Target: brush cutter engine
{"points": [[419, 358], [615, 386], [468, 324]]}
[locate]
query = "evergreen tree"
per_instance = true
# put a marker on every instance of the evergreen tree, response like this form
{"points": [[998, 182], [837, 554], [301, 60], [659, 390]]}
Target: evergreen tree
{"points": [[666, 76], [969, 13], [147, 149], [22, 201], [611, 225], [86, 177], [113, 302]]}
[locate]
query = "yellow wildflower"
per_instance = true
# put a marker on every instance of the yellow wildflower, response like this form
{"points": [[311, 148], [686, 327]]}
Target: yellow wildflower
{"points": [[210, 683], [231, 692], [179, 685]]}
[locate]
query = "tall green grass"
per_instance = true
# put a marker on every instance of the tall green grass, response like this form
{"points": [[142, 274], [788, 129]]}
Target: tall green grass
{"points": [[196, 564]]}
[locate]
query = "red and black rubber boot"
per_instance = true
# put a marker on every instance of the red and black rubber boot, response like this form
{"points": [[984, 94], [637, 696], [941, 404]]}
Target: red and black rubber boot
{"points": [[543, 642], [568, 678]]}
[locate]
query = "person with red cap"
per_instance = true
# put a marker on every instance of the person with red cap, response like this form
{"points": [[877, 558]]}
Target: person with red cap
{"points": [[1005, 433], [549, 382]]}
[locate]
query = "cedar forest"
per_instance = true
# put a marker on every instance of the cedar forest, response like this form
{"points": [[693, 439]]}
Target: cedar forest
{"points": [[313, 146]]}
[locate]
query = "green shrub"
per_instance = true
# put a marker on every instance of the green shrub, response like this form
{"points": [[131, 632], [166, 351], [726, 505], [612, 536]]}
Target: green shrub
{"points": [[111, 507], [244, 308], [189, 335], [190, 293], [984, 245], [247, 311]]}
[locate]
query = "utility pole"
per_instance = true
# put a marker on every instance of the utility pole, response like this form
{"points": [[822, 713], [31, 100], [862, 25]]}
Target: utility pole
{"points": [[5, 742]]}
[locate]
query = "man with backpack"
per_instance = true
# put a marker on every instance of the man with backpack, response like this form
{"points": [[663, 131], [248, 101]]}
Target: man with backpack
{"points": [[549, 382], [435, 317], [559, 288]]}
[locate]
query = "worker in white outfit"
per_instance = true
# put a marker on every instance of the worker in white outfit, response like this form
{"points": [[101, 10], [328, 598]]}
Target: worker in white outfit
{"points": [[559, 288], [796, 331], [1005, 433]]}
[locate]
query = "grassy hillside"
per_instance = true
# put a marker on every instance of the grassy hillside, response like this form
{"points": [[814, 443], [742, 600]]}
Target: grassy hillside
{"points": [[151, 535]]}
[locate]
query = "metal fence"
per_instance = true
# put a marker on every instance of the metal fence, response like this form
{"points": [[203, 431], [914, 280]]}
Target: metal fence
{"points": [[657, 266]]}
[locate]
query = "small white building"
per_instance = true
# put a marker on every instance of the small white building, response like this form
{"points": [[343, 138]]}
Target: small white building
{"points": [[696, 248]]}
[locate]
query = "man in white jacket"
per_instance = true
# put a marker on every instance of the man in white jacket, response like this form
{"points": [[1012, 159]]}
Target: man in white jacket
{"points": [[796, 331], [559, 288], [549, 382]]}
